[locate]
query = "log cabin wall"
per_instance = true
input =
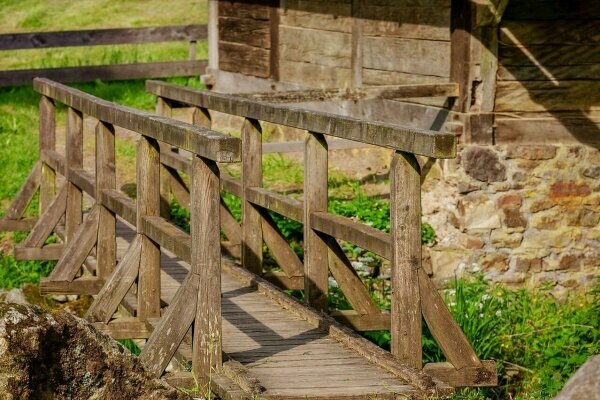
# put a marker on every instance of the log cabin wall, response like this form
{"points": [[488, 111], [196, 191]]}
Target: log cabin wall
{"points": [[548, 81]]}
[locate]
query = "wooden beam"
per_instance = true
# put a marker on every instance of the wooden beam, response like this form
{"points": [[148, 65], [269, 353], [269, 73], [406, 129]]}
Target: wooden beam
{"points": [[9, 225], [118, 202], [115, 72], [417, 141], [117, 286], [392, 92], [282, 280], [125, 328], [478, 376], [168, 236], [363, 323], [74, 160], [48, 221], [26, 192], [405, 227], [86, 285], [48, 252], [282, 252], [316, 271], [47, 131], [281, 204], [252, 240], [206, 143], [95, 37]]}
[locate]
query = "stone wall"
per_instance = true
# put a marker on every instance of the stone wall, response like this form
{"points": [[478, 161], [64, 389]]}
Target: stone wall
{"points": [[521, 215]]}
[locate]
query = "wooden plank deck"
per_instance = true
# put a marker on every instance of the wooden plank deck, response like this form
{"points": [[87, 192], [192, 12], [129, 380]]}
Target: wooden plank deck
{"points": [[290, 357]]}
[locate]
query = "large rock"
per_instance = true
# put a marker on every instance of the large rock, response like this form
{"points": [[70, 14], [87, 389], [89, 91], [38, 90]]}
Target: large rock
{"points": [[59, 356], [584, 384]]}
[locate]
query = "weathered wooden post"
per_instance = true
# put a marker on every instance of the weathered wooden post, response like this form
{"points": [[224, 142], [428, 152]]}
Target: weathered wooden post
{"points": [[148, 204], [164, 109], [315, 200], [106, 248], [252, 240], [206, 263], [47, 142], [74, 153], [405, 225]]}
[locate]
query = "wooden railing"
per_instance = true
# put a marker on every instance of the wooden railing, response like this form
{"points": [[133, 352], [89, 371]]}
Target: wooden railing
{"points": [[413, 294], [97, 227], [42, 40]]}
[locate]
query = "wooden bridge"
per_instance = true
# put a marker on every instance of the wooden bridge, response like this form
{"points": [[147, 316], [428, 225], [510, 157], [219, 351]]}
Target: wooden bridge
{"points": [[227, 325]]}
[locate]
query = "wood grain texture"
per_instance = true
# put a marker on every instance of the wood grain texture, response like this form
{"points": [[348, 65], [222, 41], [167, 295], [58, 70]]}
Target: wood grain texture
{"points": [[248, 60], [281, 250], [94, 37], [74, 158], [148, 205], [116, 287], [197, 140], [206, 263], [251, 177], [78, 249], [47, 126], [417, 141], [316, 270], [17, 207], [106, 178], [405, 228], [51, 251], [47, 221]]}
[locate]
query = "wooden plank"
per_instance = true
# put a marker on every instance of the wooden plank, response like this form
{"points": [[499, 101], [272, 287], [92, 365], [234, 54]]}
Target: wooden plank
{"points": [[106, 178], [409, 21], [330, 16], [47, 129], [405, 224], [549, 55], [213, 34], [356, 42], [84, 180], [588, 72], [47, 221], [162, 69], [206, 264], [281, 204], [9, 225], [95, 37], [346, 229], [542, 130], [483, 375], [120, 204], [74, 158], [324, 76], [168, 236], [78, 249], [348, 280], [244, 59], [124, 328], [239, 374], [282, 280], [422, 142], [315, 199], [241, 9], [252, 239], [274, 23], [460, 51], [168, 334], [252, 32], [363, 322], [297, 146], [315, 46], [148, 205], [19, 204], [444, 329], [552, 10], [230, 226], [213, 145], [164, 109], [282, 252], [116, 287], [557, 32], [362, 93], [86, 285], [48, 252]]}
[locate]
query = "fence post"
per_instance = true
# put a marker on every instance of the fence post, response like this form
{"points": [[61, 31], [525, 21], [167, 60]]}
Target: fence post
{"points": [[192, 50], [405, 225], [106, 251], [315, 199], [148, 204], [74, 157], [252, 240], [47, 142], [205, 229], [163, 108]]}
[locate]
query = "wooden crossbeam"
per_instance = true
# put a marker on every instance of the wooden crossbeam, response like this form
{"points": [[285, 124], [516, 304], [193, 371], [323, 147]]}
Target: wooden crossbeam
{"points": [[78, 249], [26, 192], [48, 221], [116, 287], [125, 328], [345, 275], [355, 94], [482, 375], [48, 252], [284, 255], [88, 285]]}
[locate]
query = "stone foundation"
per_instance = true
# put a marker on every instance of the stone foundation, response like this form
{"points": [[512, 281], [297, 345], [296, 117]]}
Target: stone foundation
{"points": [[523, 215]]}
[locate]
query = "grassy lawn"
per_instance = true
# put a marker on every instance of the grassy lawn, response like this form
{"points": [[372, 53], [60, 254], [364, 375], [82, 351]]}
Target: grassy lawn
{"points": [[536, 341]]}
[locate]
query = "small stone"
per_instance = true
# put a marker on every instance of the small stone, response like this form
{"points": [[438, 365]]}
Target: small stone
{"points": [[483, 164], [592, 172], [538, 152], [514, 219], [478, 212], [568, 192], [540, 205], [16, 296], [570, 261], [445, 262], [465, 187], [546, 220], [494, 262], [583, 217], [502, 239], [583, 384], [511, 278], [545, 278], [543, 239], [511, 200], [519, 177]]}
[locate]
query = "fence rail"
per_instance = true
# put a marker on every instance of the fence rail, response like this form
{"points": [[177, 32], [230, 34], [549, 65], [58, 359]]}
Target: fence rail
{"points": [[95, 37]]}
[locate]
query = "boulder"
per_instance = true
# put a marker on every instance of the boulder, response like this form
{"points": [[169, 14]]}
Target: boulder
{"points": [[60, 356], [584, 384]]}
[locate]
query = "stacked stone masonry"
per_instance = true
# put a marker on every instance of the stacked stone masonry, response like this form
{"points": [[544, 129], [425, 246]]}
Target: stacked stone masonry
{"points": [[523, 215]]}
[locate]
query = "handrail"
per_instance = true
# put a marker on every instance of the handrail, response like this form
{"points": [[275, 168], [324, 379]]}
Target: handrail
{"points": [[411, 140], [203, 142]]}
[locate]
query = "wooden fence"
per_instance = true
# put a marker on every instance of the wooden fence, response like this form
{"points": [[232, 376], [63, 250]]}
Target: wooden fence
{"points": [[43, 40], [413, 294], [197, 302]]}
